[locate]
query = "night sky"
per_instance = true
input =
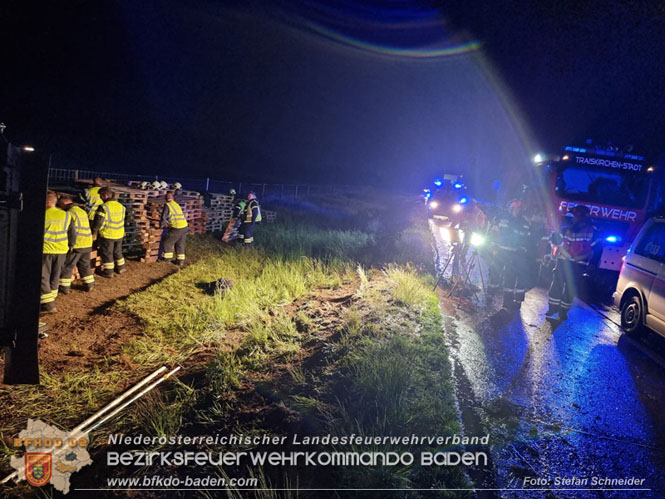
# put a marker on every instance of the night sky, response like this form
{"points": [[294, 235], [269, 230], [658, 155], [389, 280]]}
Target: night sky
{"points": [[344, 92]]}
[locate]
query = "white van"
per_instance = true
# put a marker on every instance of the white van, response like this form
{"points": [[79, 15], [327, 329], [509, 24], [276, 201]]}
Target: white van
{"points": [[640, 293]]}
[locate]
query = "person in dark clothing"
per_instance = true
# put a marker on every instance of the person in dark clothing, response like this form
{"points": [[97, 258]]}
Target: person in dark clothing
{"points": [[575, 241], [252, 217], [511, 237]]}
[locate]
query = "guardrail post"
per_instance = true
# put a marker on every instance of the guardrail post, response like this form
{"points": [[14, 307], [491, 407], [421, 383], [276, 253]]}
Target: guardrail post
{"points": [[207, 184]]}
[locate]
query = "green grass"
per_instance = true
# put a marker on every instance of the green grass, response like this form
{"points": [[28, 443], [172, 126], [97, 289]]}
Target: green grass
{"points": [[385, 371]]}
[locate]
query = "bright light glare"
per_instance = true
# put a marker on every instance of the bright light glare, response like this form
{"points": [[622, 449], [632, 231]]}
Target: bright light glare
{"points": [[650, 169], [445, 234], [457, 208], [538, 158], [438, 182], [457, 185], [463, 200], [612, 239], [29, 148], [434, 204], [477, 239], [565, 157]]}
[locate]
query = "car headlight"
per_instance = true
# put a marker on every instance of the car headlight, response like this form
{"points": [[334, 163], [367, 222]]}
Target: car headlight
{"points": [[477, 239], [434, 205], [457, 208]]}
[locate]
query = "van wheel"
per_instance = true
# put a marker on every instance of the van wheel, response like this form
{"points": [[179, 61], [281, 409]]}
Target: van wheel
{"points": [[631, 317]]}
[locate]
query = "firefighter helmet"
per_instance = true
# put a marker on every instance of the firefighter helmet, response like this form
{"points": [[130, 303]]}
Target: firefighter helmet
{"points": [[144, 185], [232, 192], [177, 185], [164, 185], [156, 184]]}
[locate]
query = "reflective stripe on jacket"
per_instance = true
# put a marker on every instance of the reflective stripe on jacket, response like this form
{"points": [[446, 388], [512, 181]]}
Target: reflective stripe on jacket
{"points": [[175, 218], [94, 201], [113, 223], [56, 225], [82, 225], [249, 212], [578, 241]]}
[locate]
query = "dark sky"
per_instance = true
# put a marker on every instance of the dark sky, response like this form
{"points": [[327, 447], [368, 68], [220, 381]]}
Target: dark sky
{"points": [[343, 92]]}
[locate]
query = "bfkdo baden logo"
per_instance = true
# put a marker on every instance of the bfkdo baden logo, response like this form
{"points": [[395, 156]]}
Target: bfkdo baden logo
{"points": [[38, 466], [51, 455]]}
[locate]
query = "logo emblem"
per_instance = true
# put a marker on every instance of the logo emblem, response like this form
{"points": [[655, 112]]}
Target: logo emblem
{"points": [[38, 468]]}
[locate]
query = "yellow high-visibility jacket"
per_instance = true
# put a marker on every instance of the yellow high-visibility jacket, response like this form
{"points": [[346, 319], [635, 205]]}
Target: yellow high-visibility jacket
{"points": [[173, 217], [56, 227], [82, 225], [94, 201], [110, 220]]}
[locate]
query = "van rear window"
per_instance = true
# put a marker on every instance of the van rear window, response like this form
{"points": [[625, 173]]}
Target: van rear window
{"points": [[652, 244]]}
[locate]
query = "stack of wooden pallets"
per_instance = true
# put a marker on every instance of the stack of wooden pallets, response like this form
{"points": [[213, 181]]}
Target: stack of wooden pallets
{"points": [[218, 211], [144, 210]]}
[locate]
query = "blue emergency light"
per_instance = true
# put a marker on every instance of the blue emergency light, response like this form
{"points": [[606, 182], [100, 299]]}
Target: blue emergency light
{"points": [[613, 239], [463, 200], [457, 185], [438, 182]]}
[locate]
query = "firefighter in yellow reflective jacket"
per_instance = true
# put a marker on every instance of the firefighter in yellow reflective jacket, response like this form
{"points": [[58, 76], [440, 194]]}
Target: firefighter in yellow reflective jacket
{"points": [[252, 216], [109, 222], [59, 236], [92, 199], [173, 219], [79, 255]]}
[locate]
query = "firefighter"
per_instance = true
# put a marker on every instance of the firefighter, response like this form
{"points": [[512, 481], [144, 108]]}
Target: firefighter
{"points": [[92, 199], [109, 223], [252, 215], [59, 236], [575, 241], [173, 219], [79, 255], [511, 237], [231, 232]]}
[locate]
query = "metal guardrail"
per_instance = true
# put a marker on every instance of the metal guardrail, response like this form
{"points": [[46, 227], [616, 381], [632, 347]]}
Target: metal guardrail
{"points": [[58, 176]]}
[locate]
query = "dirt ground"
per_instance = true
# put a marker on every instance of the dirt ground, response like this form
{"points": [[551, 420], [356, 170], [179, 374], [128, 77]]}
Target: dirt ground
{"points": [[83, 331]]}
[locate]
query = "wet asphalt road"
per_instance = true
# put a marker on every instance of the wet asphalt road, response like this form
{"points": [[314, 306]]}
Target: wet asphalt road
{"points": [[574, 400]]}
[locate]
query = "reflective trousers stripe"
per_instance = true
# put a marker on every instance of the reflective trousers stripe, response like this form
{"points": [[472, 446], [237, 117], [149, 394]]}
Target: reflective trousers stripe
{"points": [[65, 282], [89, 279], [168, 255], [48, 297], [180, 256], [248, 240], [120, 262], [108, 266]]}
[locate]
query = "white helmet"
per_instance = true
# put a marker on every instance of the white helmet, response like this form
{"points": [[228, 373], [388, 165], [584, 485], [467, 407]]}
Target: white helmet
{"points": [[177, 185], [164, 185], [232, 192], [156, 184]]}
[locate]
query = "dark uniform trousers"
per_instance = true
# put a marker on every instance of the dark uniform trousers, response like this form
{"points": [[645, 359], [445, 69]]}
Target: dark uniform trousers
{"points": [[81, 260], [174, 238], [563, 288], [51, 269], [247, 232], [514, 273], [110, 251]]}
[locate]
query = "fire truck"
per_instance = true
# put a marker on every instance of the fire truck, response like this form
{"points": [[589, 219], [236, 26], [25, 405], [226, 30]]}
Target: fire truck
{"points": [[620, 189]]}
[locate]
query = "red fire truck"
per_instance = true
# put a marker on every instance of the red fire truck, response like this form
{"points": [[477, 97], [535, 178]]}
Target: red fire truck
{"points": [[620, 190]]}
